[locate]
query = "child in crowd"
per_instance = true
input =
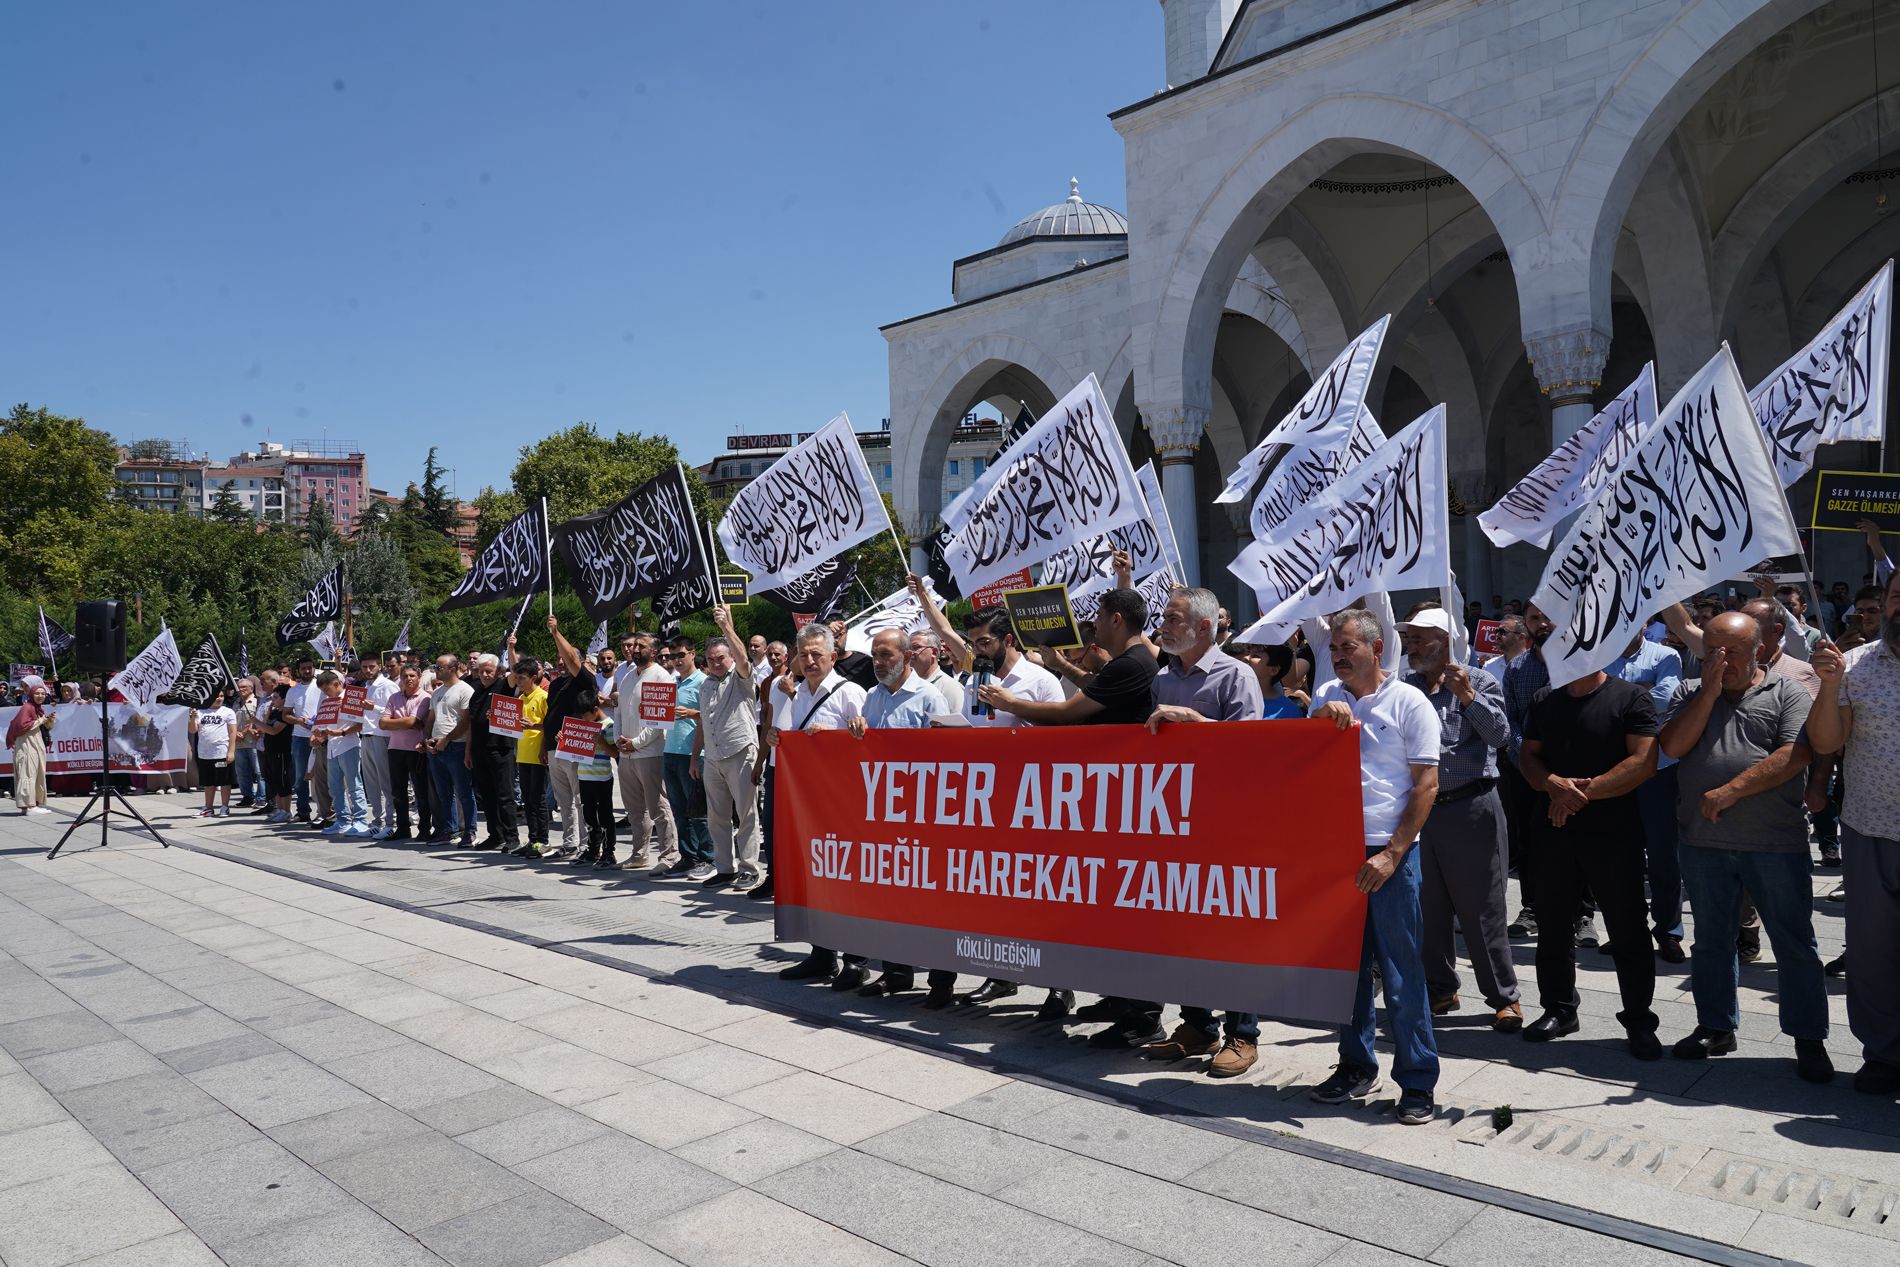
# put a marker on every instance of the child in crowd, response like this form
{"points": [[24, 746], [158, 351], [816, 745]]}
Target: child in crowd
{"points": [[215, 738], [597, 795]]}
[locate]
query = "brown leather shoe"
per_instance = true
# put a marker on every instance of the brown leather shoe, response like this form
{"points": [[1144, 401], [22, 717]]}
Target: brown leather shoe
{"points": [[1445, 1003], [1509, 1019], [1235, 1057], [1185, 1041]]}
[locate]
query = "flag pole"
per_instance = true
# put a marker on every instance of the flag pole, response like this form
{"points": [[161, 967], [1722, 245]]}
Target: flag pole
{"points": [[547, 557], [1781, 498]]}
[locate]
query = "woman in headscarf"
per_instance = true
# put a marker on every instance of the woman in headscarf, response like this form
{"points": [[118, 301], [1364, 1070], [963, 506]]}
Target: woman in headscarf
{"points": [[26, 735]]}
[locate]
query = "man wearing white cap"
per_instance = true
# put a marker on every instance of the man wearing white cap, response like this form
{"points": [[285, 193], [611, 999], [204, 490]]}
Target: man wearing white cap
{"points": [[26, 735], [1463, 848]]}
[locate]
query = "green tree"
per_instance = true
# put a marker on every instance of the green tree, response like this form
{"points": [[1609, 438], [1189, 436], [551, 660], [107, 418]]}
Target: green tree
{"points": [[149, 450], [319, 529], [225, 506], [579, 470], [374, 517], [57, 473], [493, 510], [438, 508]]}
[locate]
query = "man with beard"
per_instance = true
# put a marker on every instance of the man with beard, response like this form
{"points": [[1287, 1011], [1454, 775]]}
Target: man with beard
{"points": [[1524, 675], [725, 753], [302, 700], [1463, 850], [490, 759], [926, 661], [1398, 755], [1738, 734], [377, 689], [823, 701], [1201, 683], [642, 773], [900, 701], [1587, 747], [1657, 669], [574, 694], [1857, 714]]}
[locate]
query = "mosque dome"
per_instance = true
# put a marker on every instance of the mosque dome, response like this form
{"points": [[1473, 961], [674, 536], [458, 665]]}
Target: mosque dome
{"points": [[1066, 219]]}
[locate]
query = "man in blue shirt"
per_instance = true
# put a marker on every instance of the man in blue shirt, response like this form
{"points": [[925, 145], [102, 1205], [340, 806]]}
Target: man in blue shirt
{"points": [[685, 793], [1658, 669]]}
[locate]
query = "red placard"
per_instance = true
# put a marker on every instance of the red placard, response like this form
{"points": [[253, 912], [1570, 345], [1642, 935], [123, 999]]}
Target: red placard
{"points": [[1100, 857], [1485, 638], [800, 620], [329, 712], [355, 702], [657, 703], [578, 740], [991, 595], [504, 716]]}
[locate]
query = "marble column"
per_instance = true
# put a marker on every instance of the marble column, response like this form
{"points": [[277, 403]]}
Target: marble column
{"points": [[1176, 431], [1569, 368]]}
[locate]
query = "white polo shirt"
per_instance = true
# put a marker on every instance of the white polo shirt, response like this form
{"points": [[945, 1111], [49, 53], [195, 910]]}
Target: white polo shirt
{"points": [[376, 694], [841, 701], [302, 700], [1025, 681], [1398, 729]]}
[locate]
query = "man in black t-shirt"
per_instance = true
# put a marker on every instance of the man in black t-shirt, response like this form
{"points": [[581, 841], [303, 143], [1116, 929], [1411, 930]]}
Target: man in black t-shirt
{"points": [[1587, 746], [853, 666], [1120, 693]]}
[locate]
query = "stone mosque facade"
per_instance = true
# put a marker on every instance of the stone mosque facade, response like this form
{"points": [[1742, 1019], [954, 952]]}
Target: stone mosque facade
{"points": [[1544, 194]]}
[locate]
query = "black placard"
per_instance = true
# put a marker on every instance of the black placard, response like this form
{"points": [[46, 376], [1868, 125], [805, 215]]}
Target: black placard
{"points": [[1042, 617], [1843, 498], [732, 590]]}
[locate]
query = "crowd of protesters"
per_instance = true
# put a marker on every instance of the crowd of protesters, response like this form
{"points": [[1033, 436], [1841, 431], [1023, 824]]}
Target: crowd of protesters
{"points": [[1707, 766]]}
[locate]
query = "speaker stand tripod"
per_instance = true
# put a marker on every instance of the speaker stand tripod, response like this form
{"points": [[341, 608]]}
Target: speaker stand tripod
{"points": [[105, 794]]}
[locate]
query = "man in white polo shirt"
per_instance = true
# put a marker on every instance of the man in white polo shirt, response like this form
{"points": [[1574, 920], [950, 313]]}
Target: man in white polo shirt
{"points": [[1398, 754]]}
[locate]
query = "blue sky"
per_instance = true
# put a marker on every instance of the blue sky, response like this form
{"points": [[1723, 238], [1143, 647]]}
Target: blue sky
{"points": [[472, 224]]}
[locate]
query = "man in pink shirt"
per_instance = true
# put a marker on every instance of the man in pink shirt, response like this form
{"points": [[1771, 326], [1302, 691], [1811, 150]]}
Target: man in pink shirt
{"points": [[406, 719]]}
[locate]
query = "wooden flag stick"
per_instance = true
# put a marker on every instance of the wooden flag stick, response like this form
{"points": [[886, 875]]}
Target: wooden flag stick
{"points": [[547, 545]]}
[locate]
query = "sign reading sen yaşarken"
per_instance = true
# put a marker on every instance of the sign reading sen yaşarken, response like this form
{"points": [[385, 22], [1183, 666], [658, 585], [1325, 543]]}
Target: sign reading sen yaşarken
{"points": [[1843, 498], [1103, 858], [1042, 618]]}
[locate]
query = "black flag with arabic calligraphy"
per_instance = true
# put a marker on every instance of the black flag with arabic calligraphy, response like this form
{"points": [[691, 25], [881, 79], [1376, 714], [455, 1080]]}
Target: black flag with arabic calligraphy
{"points": [[204, 679], [324, 602], [692, 593], [634, 548], [817, 591], [514, 563]]}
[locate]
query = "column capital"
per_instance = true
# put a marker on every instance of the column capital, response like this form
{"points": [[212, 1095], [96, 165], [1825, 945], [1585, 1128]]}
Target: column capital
{"points": [[1176, 430], [1240, 515], [916, 523], [1569, 362]]}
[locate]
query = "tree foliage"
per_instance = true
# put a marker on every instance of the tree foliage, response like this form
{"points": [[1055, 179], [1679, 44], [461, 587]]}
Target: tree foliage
{"points": [[225, 506]]}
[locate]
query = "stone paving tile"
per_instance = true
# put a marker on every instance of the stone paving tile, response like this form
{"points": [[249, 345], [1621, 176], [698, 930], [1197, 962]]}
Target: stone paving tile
{"points": [[631, 1039], [981, 1158], [1161, 1218], [664, 1115], [52, 1148], [719, 1070], [621, 1251], [806, 1044], [182, 1027], [223, 1051], [1401, 1216], [729, 1231], [180, 1249], [418, 1182], [24, 1102], [621, 1180], [748, 1153], [565, 1073], [523, 1231], [92, 1065], [881, 1202], [57, 1032], [837, 1111], [335, 1037], [1499, 1237], [410, 1075], [477, 1109], [918, 1077], [352, 1237], [237, 1193], [532, 1135], [1125, 1137], [78, 1215], [345, 1132]]}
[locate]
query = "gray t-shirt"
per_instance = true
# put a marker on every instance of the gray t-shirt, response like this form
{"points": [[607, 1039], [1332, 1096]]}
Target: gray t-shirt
{"points": [[1741, 732]]}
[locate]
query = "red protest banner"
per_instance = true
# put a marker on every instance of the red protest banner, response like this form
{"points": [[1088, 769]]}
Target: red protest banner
{"points": [[578, 740], [329, 712], [1103, 858], [991, 595], [355, 702], [800, 620], [504, 716], [657, 702], [1485, 638]]}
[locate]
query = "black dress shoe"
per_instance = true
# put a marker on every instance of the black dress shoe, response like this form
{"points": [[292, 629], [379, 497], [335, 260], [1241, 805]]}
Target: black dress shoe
{"points": [[718, 880], [1550, 1025], [1644, 1045], [1703, 1042], [887, 985], [1811, 1060], [990, 991], [853, 976], [1669, 948], [1129, 1034], [1836, 967], [1877, 1077], [939, 998], [762, 892], [811, 968], [1058, 1005], [587, 859], [1109, 1009]]}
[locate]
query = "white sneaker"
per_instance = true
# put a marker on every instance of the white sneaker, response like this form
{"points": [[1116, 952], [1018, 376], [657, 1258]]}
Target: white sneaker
{"points": [[38, 809], [224, 811]]}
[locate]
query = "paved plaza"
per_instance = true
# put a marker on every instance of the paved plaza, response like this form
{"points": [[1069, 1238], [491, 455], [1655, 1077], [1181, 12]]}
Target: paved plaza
{"points": [[261, 1048]]}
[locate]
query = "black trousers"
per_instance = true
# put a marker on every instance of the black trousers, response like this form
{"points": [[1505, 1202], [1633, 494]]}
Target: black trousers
{"points": [[407, 771], [534, 800], [1525, 813], [1569, 866], [597, 808], [494, 771]]}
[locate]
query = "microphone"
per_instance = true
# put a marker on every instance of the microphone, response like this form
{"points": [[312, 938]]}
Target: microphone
{"points": [[982, 666]]}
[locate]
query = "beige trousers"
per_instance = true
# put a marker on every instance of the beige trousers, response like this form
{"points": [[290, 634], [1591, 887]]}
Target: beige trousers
{"points": [[732, 811], [643, 792]]}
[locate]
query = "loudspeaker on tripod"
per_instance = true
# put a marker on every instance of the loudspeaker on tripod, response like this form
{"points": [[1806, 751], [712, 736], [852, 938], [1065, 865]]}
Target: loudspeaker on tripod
{"points": [[99, 636]]}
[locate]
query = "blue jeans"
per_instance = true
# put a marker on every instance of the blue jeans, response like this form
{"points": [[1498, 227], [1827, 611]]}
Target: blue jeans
{"points": [[1394, 932], [684, 794], [346, 788], [1656, 806], [299, 768], [250, 775], [1782, 887], [455, 789]]}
